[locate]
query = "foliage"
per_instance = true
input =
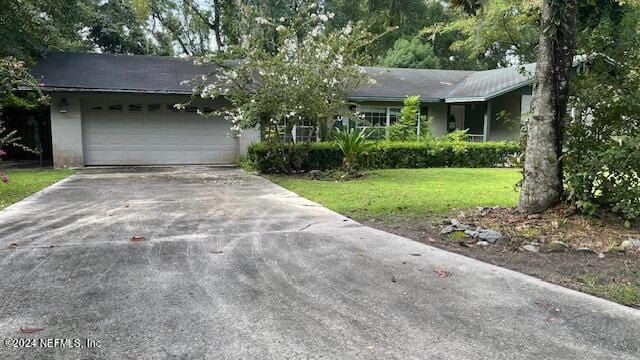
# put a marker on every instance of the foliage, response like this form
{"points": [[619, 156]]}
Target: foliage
{"points": [[268, 159], [470, 7], [106, 23], [31, 28], [406, 127], [501, 31], [456, 136], [405, 18], [9, 139], [413, 53], [354, 145], [192, 27], [609, 178], [307, 77], [602, 152], [14, 74], [388, 154]]}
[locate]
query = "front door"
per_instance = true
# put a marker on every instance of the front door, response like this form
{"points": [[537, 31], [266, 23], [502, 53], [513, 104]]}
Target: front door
{"points": [[456, 117]]}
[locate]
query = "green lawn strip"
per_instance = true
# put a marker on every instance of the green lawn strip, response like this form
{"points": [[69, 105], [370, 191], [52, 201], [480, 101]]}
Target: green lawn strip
{"points": [[623, 292], [409, 192], [23, 183]]}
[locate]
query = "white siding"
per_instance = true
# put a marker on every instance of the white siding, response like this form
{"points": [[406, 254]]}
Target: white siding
{"points": [[438, 115], [66, 132], [82, 137]]}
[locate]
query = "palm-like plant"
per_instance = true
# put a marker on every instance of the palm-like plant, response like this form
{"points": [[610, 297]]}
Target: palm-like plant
{"points": [[354, 144]]}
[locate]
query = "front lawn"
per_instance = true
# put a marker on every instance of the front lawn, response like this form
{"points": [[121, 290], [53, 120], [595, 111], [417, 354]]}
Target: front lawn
{"points": [[417, 203], [23, 183], [410, 192]]}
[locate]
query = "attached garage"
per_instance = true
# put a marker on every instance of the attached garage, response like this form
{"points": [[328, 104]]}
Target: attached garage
{"points": [[153, 133], [119, 110]]}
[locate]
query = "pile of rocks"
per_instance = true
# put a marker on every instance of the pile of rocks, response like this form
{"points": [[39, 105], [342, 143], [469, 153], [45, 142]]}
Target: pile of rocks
{"points": [[559, 246], [628, 245], [481, 235]]}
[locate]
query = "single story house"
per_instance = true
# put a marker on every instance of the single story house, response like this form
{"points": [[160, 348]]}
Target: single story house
{"points": [[119, 109]]}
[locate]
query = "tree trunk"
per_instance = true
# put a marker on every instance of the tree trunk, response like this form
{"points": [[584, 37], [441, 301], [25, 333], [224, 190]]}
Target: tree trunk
{"points": [[542, 185]]}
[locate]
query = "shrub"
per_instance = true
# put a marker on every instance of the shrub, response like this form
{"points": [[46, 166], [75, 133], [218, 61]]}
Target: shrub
{"points": [[405, 128], [388, 154], [353, 144], [608, 177]]}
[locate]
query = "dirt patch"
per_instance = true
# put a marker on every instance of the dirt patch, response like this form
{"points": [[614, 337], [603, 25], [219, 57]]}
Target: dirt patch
{"points": [[601, 271]]}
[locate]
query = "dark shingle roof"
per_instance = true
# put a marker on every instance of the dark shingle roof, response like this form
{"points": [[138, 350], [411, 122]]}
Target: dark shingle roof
{"points": [[487, 84], [154, 74], [394, 83], [122, 73], [447, 85]]}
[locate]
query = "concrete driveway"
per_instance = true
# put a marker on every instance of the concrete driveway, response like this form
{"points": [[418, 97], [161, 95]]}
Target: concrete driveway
{"points": [[234, 267]]}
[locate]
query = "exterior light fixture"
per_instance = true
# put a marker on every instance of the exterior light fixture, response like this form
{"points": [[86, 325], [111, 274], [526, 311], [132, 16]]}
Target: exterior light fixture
{"points": [[62, 106]]}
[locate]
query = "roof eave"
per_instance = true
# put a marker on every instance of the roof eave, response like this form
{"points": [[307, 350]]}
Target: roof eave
{"points": [[490, 96], [392, 98], [94, 90]]}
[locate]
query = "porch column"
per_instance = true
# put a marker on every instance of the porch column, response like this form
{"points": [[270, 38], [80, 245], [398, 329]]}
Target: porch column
{"points": [[487, 120]]}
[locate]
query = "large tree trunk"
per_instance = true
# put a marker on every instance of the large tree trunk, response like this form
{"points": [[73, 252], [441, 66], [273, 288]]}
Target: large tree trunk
{"points": [[542, 185]]}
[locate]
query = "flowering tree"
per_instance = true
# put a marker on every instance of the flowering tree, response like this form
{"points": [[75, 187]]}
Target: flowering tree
{"points": [[305, 74], [13, 74]]}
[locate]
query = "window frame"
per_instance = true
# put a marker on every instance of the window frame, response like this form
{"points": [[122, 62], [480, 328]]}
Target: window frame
{"points": [[390, 112]]}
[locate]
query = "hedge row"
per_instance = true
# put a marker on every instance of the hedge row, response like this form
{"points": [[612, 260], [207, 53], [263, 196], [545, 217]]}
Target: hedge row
{"points": [[383, 155]]}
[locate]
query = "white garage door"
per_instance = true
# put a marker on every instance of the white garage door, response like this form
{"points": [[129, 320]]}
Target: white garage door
{"points": [[153, 134]]}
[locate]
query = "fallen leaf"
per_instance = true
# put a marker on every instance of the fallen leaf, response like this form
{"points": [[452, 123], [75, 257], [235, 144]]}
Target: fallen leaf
{"points": [[442, 273], [13, 246], [137, 238], [432, 239], [393, 278], [30, 330]]}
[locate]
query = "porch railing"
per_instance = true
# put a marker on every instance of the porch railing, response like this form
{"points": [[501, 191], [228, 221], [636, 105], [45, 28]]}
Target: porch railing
{"points": [[475, 137]]}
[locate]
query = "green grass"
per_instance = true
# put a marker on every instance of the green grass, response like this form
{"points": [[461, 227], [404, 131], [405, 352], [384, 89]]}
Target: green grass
{"points": [[23, 183], [410, 192], [626, 293]]}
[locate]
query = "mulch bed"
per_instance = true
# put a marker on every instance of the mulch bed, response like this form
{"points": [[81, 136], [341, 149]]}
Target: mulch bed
{"points": [[605, 272]]}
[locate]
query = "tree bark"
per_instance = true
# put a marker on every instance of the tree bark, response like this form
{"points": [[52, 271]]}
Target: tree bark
{"points": [[542, 186]]}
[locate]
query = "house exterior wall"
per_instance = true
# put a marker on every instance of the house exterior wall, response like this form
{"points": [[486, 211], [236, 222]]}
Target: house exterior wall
{"points": [[436, 111], [66, 132], [438, 114], [505, 127], [247, 138], [67, 128]]}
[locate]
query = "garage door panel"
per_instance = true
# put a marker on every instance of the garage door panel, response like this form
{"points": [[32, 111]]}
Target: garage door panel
{"points": [[140, 138]]}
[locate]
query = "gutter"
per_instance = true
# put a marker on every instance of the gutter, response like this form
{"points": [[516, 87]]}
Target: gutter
{"points": [[392, 99], [94, 90]]}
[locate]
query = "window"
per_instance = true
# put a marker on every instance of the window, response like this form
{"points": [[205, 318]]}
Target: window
{"points": [[191, 109], [172, 108], [154, 108], [95, 106], [374, 119], [394, 115], [305, 132], [115, 107], [377, 119], [135, 107]]}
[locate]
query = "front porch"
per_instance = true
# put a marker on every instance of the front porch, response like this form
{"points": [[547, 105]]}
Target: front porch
{"points": [[473, 117], [497, 119]]}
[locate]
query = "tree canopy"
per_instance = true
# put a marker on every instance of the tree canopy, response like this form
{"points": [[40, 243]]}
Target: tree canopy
{"points": [[411, 53]]}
